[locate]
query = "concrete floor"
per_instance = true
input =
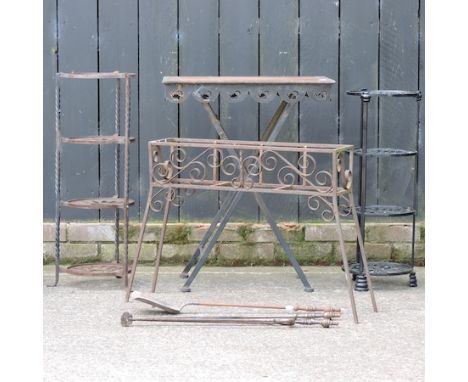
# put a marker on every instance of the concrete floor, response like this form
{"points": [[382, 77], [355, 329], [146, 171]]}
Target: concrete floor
{"points": [[84, 341]]}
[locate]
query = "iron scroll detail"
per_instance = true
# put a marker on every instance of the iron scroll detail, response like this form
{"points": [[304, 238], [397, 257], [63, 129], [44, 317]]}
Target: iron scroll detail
{"points": [[206, 93]]}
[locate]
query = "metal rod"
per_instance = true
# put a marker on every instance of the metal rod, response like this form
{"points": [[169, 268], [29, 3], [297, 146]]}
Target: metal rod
{"points": [[363, 252], [273, 129], [274, 120], [339, 229], [116, 169], [276, 128], [126, 176], [347, 273], [208, 233], [57, 180], [294, 308], [215, 121], [127, 319], [138, 296], [314, 315], [167, 208], [415, 177], [365, 100], [206, 250], [308, 316], [283, 243], [138, 251]]}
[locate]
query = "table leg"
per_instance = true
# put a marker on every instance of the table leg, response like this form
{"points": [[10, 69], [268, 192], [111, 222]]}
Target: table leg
{"points": [[349, 282], [206, 250], [138, 251], [270, 134], [362, 251], [283, 242], [221, 212], [275, 229], [167, 208]]}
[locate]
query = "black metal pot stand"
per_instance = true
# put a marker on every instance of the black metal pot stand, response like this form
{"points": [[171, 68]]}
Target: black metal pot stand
{"points": [[379, 210]]}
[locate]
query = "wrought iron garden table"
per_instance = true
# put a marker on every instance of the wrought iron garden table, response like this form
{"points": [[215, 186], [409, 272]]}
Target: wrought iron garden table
{"points": [[245, 164], [261, 89]]}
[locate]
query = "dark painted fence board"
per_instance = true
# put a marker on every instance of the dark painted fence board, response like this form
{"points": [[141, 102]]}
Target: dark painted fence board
{"points": [[353, 59], [422, 71], [279, 56], [398, 70], [359, 65], [158, 58], [319, 49], [118, 50], [239, 56], [198, 55], [49, 57], [79, 101]]}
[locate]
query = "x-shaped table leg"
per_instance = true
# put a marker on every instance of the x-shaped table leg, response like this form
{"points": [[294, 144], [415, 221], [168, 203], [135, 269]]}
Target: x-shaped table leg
{"points": [[227, 208]]}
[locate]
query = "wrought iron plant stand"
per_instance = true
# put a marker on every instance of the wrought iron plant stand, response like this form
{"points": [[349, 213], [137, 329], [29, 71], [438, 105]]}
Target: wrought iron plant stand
{"points": [[187, 165], [120, 199], [363, 210]]}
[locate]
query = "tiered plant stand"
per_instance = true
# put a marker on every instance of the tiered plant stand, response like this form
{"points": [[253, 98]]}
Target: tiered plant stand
{"points": [[118, 201]]}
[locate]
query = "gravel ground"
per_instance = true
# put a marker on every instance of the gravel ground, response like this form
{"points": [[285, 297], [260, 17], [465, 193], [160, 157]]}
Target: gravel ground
{"points": [[84, 341]]}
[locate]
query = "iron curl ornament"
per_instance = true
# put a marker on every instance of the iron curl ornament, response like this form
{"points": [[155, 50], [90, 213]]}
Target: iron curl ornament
{"points": [[278, 168], [236, 88]]}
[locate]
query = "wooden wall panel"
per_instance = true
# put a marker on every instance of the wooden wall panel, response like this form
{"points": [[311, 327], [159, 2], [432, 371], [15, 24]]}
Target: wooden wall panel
{"points": [[239, 57], [360, 43], [279, 56], [77, 46], [118, 50]]}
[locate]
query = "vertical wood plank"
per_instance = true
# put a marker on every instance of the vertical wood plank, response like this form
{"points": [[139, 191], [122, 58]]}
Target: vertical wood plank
{"points": [[239, 56], [279, 53], [398, 70], [198, 55], [319, 34], [49, 57], [79, 102], [158, 58], [118, 50], [358, 28], [359, 60]]}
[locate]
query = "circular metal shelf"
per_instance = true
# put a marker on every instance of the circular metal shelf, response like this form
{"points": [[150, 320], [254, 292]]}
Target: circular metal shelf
{"points": [[97, 203], [385, 93], [383, 210], [96, 269], [382, 268], [386, 152]]}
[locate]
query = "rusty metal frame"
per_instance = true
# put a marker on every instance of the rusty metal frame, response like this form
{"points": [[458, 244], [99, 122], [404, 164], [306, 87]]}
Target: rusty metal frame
{"points": [[262, 89], [248, 166], [234, 89], [290, 90], [127, 319], [116, 201]]}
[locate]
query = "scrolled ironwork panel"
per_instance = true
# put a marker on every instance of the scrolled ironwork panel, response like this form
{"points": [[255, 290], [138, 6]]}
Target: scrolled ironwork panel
{"points": [[191, 164]]}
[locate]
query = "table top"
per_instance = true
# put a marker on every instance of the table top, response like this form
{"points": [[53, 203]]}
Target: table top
{"points": [[247, 80], [262, 89]]}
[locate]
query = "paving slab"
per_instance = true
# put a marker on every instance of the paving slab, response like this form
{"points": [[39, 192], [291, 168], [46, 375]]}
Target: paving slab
{"points": [[84, 341]]}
